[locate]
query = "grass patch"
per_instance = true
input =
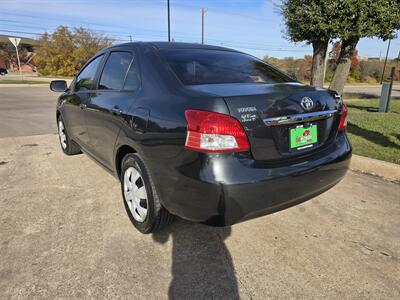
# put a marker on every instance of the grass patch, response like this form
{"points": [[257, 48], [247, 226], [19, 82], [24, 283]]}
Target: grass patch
{"points": [[18, 81], [374, 134]]}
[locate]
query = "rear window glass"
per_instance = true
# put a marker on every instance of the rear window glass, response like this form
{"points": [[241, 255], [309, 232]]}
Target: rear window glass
{"points": [[204, 66]]}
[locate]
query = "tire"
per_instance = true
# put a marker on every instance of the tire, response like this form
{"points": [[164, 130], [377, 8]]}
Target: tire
{"points": [[139, 194], [68, 146]]}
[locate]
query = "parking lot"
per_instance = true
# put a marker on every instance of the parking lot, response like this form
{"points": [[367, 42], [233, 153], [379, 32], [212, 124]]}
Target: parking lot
{"points": [[65, 234]]}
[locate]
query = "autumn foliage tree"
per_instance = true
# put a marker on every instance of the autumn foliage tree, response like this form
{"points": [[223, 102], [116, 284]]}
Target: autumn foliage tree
{"points": [[335, 53], [65, 51]]}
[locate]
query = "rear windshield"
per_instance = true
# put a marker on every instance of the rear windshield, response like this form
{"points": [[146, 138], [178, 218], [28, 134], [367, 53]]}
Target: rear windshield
{"points": [[204, 66]]}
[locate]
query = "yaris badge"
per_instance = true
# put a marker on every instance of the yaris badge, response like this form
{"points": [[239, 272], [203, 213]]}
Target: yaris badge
{"points": [[307, 103]]}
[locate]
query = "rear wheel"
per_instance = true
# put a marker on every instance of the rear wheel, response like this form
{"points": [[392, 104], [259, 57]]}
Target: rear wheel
{"points": [[140, 197], [68, 146]]}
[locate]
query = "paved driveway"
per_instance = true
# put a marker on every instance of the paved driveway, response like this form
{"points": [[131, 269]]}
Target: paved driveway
{"points": [[64, 233]]}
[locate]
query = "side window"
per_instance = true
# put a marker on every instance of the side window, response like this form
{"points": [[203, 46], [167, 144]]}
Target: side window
{"points": [[85, 79], [114, 72], [132, 79]]}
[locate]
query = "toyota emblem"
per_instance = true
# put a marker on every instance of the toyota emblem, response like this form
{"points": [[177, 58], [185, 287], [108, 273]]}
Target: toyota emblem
{"points": [[307, 103]]}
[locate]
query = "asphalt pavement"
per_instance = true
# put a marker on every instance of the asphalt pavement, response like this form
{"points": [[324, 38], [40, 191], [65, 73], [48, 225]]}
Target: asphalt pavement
{"points": [[64, 232], [373, 91]]}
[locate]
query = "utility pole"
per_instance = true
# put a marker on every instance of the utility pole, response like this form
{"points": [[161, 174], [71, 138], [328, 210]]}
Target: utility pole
{"points": [[384, 65], [130, 37], [203, 11], [169, 23]]}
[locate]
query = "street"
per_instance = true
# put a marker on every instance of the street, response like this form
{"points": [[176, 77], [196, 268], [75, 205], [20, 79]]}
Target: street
{"points": [[373, 91], [65, 233]]}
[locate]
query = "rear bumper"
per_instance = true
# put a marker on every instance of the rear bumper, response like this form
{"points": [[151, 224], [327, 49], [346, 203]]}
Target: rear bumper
{"points": [[223, 189]]}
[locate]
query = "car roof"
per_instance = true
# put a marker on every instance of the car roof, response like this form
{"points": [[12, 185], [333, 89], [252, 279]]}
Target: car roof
{"points": [[171, 45]]}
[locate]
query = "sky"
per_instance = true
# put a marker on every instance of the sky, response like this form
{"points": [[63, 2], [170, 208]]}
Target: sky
{"points": [[252, 26]]}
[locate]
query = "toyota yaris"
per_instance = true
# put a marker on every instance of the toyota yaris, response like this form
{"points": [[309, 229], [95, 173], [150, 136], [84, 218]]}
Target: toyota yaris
{"points": [[205, 133]]}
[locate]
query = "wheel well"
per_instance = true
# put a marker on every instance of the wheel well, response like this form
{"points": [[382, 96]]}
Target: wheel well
{"points": [[122, 151]]}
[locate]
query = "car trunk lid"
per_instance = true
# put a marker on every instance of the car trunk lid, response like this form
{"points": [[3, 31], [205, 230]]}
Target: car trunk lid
{"points": [[275, 116]]}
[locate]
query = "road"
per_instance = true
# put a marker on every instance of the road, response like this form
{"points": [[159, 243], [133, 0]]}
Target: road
{"points": [[371, 90], [27, 111], [65, 234]]}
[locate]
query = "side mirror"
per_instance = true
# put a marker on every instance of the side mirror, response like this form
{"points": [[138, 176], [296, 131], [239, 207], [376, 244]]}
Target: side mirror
{"points": [[58, 86]]}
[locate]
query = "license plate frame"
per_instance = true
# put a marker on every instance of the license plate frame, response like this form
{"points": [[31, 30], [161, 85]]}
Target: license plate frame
{"points": [[303, 136]]}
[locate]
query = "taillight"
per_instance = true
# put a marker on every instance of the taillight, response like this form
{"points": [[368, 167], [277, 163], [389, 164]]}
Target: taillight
{"points": [[343, 117], [214, 132]]}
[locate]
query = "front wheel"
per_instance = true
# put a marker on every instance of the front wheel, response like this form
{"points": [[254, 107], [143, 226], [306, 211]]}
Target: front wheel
{"points": [[68, 146], [140, 197]]}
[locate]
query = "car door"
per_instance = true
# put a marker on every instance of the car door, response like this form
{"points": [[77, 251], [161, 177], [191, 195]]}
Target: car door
{"points": [[77, 100], [110, 103]]}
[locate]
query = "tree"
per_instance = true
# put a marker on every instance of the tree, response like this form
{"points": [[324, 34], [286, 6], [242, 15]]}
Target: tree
{"points": [[9, 53], [335, 53], [65, 51], [359, 19], [313, 22]]}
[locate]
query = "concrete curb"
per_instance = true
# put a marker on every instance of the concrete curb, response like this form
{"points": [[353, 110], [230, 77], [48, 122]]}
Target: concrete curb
{"points": [[387, 170]]}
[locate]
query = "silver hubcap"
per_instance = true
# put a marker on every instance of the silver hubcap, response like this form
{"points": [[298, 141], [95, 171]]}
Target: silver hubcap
{"points": [[135, 194], [61, 134]]}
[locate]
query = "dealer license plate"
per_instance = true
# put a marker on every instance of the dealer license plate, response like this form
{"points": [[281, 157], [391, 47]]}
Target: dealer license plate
{"points": [[302, 137]]}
